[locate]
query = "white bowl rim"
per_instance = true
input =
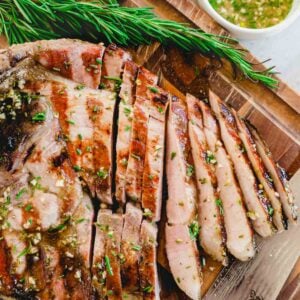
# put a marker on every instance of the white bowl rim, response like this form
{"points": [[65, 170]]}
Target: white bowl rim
{"points": [[291, 17]]}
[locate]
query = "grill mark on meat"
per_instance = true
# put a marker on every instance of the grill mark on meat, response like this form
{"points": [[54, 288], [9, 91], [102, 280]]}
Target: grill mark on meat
{"points": [[56, 60], [240, 241], [181, 204], [277, 174], [138, 141], [154, 157], [210, 215], [113, 62], [255, 199], [261, 172], [127, 98]]}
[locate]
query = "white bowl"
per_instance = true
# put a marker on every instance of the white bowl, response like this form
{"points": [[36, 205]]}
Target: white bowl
{"points": [[249, 33]]}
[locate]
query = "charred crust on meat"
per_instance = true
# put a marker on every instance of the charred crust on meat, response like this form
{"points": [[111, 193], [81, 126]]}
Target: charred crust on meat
{"points": [[59, 160], [161, 98]]}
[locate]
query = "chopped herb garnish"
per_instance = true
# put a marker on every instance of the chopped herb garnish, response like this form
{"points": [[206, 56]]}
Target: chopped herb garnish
{"points": [[135, 156], [39, 117], [147, 212], [102, 173], [173, 154], [148, 289], [56, 69], [197, 71], [118, 80], [77, 168], [189, 170], [160, 109], [78, 151], [99, 61], [25, 251], [194, 230], [96, 108], [28, 207], [127, 128], [80, 136], [153, 89], [70, 122], [78, 221], [124, 162], [210, 158], [80, 87], [108, 266], [35, 183], [220, 205], [102, 86], [127, 111], [20, 193], [88, 149], [136, 247], [61, 226], [270, 211]]}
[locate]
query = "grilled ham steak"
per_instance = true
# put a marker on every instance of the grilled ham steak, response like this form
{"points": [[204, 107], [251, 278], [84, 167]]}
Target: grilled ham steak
{"points": [[257, 204], [210, 206], [239, 236]]}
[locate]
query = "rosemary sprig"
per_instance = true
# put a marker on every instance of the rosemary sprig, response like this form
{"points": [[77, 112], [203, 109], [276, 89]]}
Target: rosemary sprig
{"points": [[28, 20]]}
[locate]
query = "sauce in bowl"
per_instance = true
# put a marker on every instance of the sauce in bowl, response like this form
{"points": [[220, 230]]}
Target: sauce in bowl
{"points": [[253, 13]]}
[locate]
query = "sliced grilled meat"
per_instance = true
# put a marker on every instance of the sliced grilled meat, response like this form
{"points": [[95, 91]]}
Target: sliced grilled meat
{"points": [[257, 204], [184, 260], [127, 95], [106, 264], [147, 265], [40, 193], [210, 207], [138, 140], [239, 236], [181, 205], [261, 173], [278, 175], [73, 59], [113, 64], [130, 251], [154, 158]]}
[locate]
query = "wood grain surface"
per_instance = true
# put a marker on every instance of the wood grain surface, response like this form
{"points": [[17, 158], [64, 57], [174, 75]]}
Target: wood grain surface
{"points": [[274, 112]]}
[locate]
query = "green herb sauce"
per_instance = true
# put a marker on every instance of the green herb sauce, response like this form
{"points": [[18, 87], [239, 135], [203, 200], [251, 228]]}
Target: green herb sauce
{"points": [[253, 13]]}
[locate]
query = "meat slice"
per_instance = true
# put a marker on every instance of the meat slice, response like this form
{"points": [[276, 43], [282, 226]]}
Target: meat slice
{"points": [[138, 140], [41, 195], [130, 250], [257, 204], [278, 175], [261, 173], [73, 59], [127, 95], [147, 266], [106, 264], [181, 205], [86, 118], [184, 260], [210, 207], [113, 63], [154, 157], [239, 236]]}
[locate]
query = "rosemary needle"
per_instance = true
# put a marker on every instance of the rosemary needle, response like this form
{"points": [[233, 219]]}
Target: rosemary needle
{"points": [[28, 20]]}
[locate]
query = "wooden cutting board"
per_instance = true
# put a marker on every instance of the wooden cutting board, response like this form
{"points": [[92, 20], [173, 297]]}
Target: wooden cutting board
{"points": [[274, 112]]}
